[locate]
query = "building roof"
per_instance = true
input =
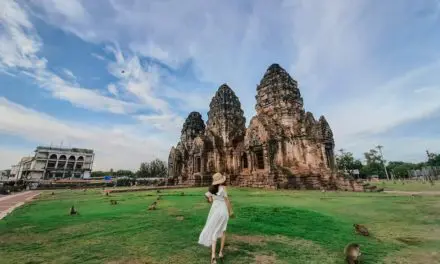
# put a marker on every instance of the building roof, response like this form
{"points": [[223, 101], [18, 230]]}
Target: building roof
{"points": [[80, 150]]}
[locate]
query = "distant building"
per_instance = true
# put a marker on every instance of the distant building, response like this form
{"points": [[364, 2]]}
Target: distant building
{"points": [[4, 175], [50, 162]]}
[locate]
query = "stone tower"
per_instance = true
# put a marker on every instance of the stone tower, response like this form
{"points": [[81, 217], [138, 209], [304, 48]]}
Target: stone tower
{"points": [[225, 116], [193, 127], [278, 96]]}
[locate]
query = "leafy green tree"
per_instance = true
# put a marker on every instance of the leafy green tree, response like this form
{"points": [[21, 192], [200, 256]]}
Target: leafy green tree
{"points": [[127, 173], [374, 164], [433, 159], [154, 169], [346, 162], [400, 169]]}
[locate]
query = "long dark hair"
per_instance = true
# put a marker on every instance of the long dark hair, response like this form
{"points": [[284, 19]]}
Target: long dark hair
{"points": [[213, 189]]}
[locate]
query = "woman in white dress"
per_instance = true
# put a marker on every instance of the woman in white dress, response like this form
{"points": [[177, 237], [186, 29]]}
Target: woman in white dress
{"points": [[218, 217]]}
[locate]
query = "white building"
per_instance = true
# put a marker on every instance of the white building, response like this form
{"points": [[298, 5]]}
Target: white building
{"points": [[4, 175], [50, 162]]}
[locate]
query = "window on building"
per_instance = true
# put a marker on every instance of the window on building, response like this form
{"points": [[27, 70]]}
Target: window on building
{"points": [[329, 156], [79, 163], [53, 157], [62, 162], [71, 162], [260, 158], [244, 161], [198, 164], [51, 164]]}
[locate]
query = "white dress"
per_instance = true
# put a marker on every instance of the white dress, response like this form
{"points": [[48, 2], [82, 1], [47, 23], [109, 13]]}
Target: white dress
{"points": [[217, 219]]}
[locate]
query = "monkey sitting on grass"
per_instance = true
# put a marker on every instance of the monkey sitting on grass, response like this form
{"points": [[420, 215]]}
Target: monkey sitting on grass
{"points": [[361, 229], [73, 211], [352, 253], [152, 206]]}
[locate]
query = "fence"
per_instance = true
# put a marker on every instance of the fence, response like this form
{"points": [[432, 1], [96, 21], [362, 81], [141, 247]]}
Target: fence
{"points": [[426, 173]]}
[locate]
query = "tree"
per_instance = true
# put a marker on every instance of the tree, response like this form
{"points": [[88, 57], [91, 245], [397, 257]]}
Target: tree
{"points": [[154, 169], [347, 163], [400, 169], [120, 173], [374, 164], [433, 159], [158, 169]]}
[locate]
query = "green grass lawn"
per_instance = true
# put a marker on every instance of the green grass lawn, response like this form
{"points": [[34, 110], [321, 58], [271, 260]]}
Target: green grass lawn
{"points": [[270, 227], [411, 186]]}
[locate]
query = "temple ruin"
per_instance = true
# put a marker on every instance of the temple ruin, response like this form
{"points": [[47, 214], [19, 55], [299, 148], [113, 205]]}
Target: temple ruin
{"points": [[283, 147]]}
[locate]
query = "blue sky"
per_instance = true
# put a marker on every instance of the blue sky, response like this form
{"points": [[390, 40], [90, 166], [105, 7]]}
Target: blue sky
{"points": [[121, 76]]}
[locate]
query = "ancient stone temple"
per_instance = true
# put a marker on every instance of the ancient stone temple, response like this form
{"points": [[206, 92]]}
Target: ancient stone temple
{"points": [[283, 147]]}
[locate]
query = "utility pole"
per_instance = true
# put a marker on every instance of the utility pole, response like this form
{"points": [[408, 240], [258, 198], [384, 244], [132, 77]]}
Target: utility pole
{"points": [[379, 147]]}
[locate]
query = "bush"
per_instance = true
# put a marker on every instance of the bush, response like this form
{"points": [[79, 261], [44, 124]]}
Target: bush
{"points": [[124, 182]]}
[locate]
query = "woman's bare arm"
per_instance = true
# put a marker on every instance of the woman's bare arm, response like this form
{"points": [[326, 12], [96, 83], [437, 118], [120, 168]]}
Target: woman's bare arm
{"points": [[208, 198], [228, 204]]}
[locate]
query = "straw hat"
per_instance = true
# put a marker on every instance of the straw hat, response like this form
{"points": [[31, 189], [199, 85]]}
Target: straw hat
{"points": [[218, 178]]}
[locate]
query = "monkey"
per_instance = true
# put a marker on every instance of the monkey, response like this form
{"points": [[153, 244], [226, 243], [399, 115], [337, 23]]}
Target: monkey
{"points": [[113, 202], [73, 211], [106, 194], [158, 191], [152, 206], [361, 229], [182, 194], [352, 253], [52, 193]]}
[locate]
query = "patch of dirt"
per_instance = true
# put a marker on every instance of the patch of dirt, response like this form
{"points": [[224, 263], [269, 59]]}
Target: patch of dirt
{"points": [[252, 240], [73, 229], [130, 261], [25, 228], [412, 257], [200, 205], [180, 218], [409, 240], [22, 238], [172, 211], [264, 259]]}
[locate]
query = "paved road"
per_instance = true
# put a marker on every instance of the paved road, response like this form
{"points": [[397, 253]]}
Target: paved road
{"points": [[9, 202]]}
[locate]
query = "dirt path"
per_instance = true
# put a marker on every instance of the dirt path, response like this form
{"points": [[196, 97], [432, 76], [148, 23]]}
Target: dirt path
{"points": [[10, 202], [425, 193]]}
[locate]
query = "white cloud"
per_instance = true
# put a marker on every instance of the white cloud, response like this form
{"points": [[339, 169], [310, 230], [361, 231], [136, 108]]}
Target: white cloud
{"points": [[170, 123], [99, 57], [10, 156], [355, 63], [112, 89], [69, 74], [118, 146], [402, 99], [19, 44], [19, 48], [139, 80]]}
